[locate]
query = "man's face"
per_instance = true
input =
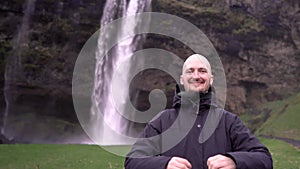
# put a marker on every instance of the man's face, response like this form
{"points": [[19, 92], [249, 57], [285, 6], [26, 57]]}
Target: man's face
{"points": [[195, 76]]}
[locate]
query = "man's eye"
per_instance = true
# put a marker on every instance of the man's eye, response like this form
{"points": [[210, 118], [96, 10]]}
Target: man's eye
{"points": [[203, 71], [189, 71]]}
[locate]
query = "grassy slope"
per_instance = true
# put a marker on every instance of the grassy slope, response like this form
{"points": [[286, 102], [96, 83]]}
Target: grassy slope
{"points": [[284, 119]]}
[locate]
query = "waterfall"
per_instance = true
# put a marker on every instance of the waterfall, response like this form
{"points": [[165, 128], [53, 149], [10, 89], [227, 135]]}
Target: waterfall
{"points": [[103, 111], [13, 70]]}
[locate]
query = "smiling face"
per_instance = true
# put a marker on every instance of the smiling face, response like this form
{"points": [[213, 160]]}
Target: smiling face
{"points": [[196, 74]]}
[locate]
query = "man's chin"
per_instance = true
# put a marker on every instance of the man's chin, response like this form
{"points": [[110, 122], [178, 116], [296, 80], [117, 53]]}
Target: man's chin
{"points": [[197, 90]]}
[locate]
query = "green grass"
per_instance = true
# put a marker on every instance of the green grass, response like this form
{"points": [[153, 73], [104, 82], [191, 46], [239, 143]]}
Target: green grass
{"points": [[284, 155], [45, 156], [284, 119]]}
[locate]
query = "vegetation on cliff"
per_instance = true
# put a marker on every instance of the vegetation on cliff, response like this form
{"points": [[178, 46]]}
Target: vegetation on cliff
{"points": [[258, 43]]}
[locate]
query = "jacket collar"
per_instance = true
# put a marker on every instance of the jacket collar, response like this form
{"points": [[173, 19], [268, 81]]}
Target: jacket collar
{"points": [[194, 98]]}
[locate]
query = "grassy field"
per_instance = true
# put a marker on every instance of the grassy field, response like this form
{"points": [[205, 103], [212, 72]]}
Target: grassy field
{"points": [[284, 155], [45, 156]]}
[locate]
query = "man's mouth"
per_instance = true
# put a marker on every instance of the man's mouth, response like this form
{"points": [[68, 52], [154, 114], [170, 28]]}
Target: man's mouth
{"points": [[197, 81]]}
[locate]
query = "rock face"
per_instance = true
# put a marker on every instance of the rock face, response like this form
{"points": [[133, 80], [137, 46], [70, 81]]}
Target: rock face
{"points": [[257, 41], [40, 41]]}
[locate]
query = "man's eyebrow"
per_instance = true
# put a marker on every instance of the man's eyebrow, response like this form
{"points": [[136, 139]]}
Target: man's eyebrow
{"points": [[202, 67]]}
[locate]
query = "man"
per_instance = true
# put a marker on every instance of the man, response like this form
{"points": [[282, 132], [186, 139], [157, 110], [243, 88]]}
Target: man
{"points": [[209, 137]]}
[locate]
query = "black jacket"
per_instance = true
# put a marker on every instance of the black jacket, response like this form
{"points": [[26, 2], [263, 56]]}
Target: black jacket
{"points": [[197, 129]]}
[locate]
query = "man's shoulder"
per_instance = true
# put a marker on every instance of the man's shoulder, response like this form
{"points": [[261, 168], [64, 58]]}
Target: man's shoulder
{"points": [[228, 116], [232, 118]]}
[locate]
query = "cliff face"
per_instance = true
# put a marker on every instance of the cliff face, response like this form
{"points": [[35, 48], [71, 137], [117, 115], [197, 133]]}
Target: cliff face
{"points": [[39, 44], [258, 42]]}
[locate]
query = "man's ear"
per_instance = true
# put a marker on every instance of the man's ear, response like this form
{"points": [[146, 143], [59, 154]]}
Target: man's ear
{"points": [[181, 80], [211, 79]]}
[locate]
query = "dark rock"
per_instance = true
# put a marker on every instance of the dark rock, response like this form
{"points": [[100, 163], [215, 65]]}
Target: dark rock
{"points": [[4, 140], [257, 41]]}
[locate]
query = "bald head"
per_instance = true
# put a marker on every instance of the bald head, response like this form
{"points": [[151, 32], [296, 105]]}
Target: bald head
{"points": [[196, 74], [197, 58]]}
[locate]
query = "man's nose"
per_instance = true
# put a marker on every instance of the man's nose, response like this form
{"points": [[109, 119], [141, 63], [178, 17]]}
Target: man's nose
{"points": [[196, 74]]}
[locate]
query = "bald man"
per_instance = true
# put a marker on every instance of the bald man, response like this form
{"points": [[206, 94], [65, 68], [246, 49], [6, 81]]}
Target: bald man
{"points": [[174, 140]]}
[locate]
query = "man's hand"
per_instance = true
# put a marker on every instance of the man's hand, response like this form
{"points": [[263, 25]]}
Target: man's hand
{"points": [[220, 162], [179, 163]]}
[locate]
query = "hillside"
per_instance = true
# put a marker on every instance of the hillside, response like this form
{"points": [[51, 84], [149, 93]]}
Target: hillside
{"points": [[278, 119], [284, 119]]}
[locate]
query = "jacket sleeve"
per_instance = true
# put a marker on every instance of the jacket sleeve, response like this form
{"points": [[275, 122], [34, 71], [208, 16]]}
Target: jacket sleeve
{"points": [[145, 153], [248, 151]]}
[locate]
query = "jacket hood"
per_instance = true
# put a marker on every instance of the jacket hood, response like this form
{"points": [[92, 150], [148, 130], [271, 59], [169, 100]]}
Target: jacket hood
{"points": [[182, 97]]}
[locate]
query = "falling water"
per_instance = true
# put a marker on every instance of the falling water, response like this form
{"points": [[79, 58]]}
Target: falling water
{"points": [[13, 72], [102, 99]]}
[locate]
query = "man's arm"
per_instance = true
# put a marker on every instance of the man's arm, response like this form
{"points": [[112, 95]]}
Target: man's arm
{"points": [[145, 153], [248, 151]]}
